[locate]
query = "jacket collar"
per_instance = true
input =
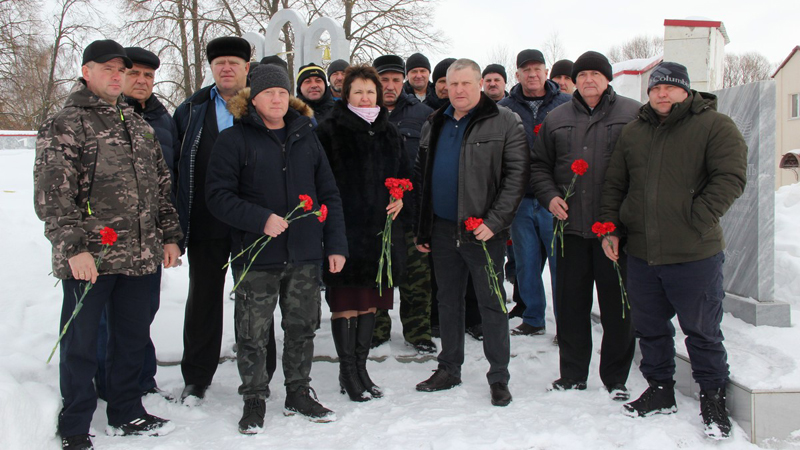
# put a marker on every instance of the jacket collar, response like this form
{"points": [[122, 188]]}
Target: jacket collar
{"points": [[694, 104], [608, 98]]}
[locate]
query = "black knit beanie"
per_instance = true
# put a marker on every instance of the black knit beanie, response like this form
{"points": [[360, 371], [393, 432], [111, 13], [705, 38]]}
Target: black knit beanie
{"points": [[337, 66], [417, 60], [495, 68], [275, 59], [267, 76], [441, 69], [592, 61], [561, 67], [669, 73]]}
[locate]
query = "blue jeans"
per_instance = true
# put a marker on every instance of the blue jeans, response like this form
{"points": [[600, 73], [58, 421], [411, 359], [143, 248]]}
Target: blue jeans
{"points": [[532, 232], [147, 379]]}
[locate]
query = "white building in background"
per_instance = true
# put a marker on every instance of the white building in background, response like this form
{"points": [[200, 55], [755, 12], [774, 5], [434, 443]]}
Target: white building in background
{"points": [[697, 43], [787, 126]]}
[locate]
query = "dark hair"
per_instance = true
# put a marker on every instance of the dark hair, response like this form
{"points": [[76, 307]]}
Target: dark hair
{"points": [[362, 72]]}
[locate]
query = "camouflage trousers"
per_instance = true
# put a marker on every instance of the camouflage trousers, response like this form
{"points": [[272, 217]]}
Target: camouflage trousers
{"points": [[296, 288], [415, 298]]}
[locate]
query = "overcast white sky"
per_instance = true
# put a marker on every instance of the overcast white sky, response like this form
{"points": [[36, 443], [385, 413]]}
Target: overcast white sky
{"points": [[474, 27]]}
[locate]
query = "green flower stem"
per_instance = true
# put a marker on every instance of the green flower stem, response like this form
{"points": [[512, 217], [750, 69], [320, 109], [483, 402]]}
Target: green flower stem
{"points": [[386, 255], [78, 306], [625, 302], [558, 231], [495, 285]]}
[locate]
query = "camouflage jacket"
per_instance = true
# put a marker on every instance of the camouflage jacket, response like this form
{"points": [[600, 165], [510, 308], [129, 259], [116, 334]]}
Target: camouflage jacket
{"points": [[98, 165]]}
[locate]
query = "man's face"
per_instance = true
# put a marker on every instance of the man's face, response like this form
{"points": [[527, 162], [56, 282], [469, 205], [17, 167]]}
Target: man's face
{"points": [[337, 80], [591, 85], [392, 83], [532, 76], [105, 79], [313, 88], [418, 78], [464, 89], [494, 86], [271, 104], [441, 87], [139, 82], [230, 73], [565, 83], [663, 96]]}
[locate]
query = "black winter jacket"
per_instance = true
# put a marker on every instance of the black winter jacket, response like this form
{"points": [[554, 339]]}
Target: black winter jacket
{"points": [[571, 132], [494, 170], [155, 114], [252, 175], [669, 183], [321, 107], [362, 156]]}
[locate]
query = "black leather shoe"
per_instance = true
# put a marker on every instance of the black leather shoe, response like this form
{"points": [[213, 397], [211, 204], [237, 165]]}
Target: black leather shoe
{"points": [[439, 381], [564, 384], [500, 394], [193, 392]]}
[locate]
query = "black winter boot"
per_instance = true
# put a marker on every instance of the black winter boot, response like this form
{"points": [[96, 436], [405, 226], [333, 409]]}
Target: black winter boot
{"points": [[659, 398], [344, 338], [366, 325], [716, 423]]}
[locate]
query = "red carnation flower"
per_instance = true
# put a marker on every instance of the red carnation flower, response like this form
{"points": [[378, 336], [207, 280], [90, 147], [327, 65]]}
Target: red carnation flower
{"points": [[322, 214], [307, 202], [108, 236], [580, 167], [536, 129], [472, 223]]}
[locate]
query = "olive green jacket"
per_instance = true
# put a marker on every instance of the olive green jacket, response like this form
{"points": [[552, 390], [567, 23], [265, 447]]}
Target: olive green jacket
{"points": [[669, 183]]}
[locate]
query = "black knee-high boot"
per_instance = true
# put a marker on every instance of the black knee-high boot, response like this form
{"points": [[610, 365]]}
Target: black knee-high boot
{"points": [[344, 338], [366, 325]]}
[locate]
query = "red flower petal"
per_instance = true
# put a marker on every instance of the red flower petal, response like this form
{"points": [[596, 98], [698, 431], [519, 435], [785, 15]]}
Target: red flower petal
{"points": [[580, 166], [322, 214], [108, 236], [306, 202]]}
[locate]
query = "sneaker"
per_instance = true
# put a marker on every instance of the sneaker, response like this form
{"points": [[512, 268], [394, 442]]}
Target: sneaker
{"points": [[658, 398], [252, 421], [147, 425], [500, 394], [166, 395], [77, 442], [300, 401], [476, 331], [564, 384], [424, 347], [618, 392], [439, 381], [717, 424], [527, 330]]}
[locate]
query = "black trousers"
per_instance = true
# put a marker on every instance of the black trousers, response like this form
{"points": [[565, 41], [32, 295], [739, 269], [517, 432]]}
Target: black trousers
{"points": [[472, 315], [583, 266], [126, 300], [202, 326], [454, 261]]}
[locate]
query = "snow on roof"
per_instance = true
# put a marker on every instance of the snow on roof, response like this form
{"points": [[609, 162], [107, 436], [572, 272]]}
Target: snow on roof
{"points": [[699, 22], [794, 50], [636, 66]]}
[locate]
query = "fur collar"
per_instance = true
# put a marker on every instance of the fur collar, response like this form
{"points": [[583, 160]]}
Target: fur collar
{"points": [[240, 105]]}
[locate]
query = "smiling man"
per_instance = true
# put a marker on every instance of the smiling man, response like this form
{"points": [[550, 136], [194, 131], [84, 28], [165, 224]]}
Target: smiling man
{"points": [[473, 162], [585, 128], [98, 165], [199, 120], [675, 171], [312, 88]]}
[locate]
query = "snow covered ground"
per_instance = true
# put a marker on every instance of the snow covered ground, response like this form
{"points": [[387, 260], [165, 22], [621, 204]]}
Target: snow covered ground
{"points": [[461, 418]]}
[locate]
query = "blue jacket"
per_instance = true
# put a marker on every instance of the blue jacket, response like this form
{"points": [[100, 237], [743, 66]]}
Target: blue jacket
{"points": [[553, 97], [189, 118], [155, 114], [251, 175]]}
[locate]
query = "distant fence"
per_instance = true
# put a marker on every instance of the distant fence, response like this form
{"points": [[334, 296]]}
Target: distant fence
{"points": [[16, 139]]}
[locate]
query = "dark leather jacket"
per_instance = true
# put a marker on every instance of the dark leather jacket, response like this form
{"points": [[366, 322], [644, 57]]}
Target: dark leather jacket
{"points": [[493, 173]]}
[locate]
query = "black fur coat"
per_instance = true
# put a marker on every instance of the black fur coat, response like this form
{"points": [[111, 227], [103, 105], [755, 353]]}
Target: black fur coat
{"points": [[362, 156]]}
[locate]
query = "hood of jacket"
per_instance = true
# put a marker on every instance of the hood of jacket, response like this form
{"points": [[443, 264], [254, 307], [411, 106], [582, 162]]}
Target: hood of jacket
{"points": [[240, 105]]}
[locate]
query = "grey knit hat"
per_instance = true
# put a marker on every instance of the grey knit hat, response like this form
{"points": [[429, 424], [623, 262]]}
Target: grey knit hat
{"points": [[267, 76]]}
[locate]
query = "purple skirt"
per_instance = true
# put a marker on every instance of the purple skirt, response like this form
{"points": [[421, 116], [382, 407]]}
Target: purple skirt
{"points": [[345, 298]]}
